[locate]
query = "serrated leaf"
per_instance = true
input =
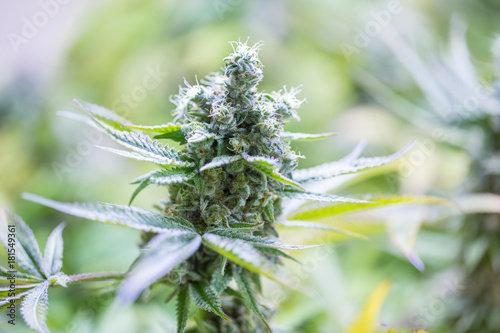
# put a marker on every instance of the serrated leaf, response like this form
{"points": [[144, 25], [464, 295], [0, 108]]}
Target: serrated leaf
{"points": [[323, 197], [21, 278], [247, 292], [220, 279], [319, 211], [269, 167], [34, 308], [52, 258], [220, 161], [137, 156], [79, 117], [162, 177], [345, 166], [19, 289], [243, 254], [170, 131], [274, 253], [182, 308], [258, 240], [206, 298], [166, 176], [28, 254], [131, 217], [5, 303], [142, 145], [164, 252], [306, 136], [312, 225]]}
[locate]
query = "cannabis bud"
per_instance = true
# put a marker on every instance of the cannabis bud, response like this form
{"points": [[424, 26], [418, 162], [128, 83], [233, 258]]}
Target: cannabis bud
{"points": [[227, 187]]}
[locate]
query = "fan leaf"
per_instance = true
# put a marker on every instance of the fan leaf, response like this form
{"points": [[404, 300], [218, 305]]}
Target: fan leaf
{"points": [[323, 197], [142, 145], [131, 217], [248, 293], [164, 252], [182, 308], [34, 308], [52, 259], [258, 240], [312, 225], [306, 136], [27, 252], [241, 253], [162, 177], [206, 297], [319, 211], [345, 166]]}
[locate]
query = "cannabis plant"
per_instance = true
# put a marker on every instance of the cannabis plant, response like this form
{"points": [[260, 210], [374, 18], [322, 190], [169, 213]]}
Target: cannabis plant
{"points": [[226, 186], [465, 106]]}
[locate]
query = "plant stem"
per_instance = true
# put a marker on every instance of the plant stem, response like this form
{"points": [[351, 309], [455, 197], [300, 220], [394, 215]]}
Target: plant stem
{"points": [[90, 277]]}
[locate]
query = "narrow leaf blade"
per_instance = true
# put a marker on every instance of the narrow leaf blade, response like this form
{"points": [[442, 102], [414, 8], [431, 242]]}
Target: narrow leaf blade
{"points": [[28, 253], [319, 211], [52, 259], [205, 297], [306, 136], [141, 144], [34, 308], [323, 197], [241, 253], [345, 166], [131, 217], [182, 308], [164, 252], [249, 298]]}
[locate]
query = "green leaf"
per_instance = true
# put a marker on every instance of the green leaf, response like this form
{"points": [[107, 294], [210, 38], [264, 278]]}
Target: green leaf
{"points": [[5, 291], [323, 197], [138, 156], [312, 225], [131, 217], [275, 253], [5, 303], [167, 131], [162, 177], [164, 252], [220, 278], [345, 166], [28, 254], [206, 298], [166, 176], [21, 278], [257, 240], [34, 308], [182, 308], [243, 254], [269, 167], [305, 136], [220, 161], [143, 146], [319, 211], [248, 293], [52, 258]]}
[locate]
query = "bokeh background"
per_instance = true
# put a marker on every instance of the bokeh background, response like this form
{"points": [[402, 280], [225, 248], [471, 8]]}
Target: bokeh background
{"points": [[102, 51]]}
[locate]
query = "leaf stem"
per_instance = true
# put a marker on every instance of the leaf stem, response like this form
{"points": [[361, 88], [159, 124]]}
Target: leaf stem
{"points": [[90, 277]]}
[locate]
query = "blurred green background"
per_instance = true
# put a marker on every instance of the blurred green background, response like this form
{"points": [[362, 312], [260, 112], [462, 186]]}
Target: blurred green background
{"points": [[103, 51]]}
